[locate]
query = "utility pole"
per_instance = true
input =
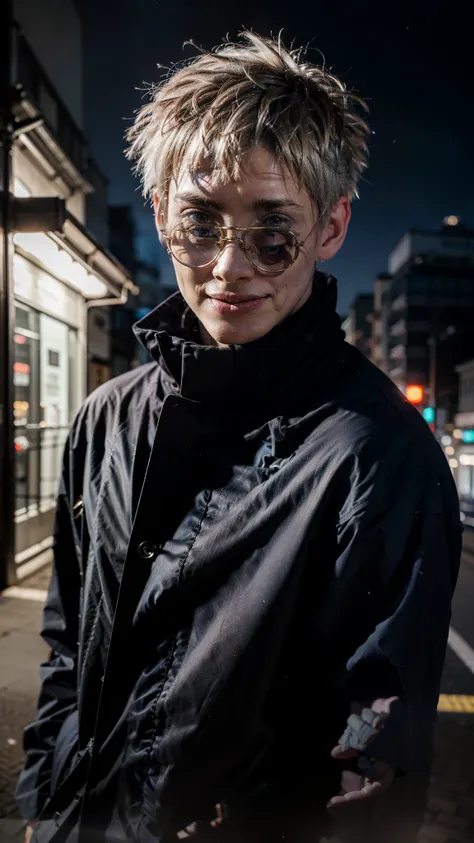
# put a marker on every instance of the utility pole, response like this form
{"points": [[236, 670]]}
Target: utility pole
{"points": [[7, 464], [433, 344], [434, 341]]}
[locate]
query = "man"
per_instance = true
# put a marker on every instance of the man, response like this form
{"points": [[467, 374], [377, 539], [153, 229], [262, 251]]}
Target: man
{"points": [[257, 537]]}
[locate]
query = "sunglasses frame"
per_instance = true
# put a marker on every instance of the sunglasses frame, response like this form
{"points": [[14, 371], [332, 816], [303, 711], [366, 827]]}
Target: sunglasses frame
{"points": [[223, 241]]}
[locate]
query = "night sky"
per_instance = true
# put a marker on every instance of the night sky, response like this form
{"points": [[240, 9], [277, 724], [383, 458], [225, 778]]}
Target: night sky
{"points": [[412, 64]]}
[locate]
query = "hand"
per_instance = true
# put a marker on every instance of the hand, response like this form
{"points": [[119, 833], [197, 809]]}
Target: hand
{"points": [[355, 785], [196, 827]]}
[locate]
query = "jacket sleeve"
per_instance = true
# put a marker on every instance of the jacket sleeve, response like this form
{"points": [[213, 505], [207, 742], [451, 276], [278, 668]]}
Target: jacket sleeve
{"points": [[397, 565], [58, 676]]}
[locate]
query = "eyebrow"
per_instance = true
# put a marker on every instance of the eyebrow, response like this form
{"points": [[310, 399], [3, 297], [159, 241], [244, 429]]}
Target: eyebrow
{"points": [[257, 205]]}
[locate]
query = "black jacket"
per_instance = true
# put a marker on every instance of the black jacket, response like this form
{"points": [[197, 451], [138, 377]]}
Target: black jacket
{"points": [[247, 539]]}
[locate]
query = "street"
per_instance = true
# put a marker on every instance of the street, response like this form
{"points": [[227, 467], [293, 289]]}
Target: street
{"points": [[449, 816]]}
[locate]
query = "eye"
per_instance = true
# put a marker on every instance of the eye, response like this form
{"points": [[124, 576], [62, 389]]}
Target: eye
{"points": [[276, 221], [198, 217], [199, 228]]}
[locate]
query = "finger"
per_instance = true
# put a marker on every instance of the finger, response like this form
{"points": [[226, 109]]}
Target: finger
{"points": [[383, 705], [374, 721], [218, 819], [341, 752], [189, 831], [369, 791], [381, 708], [351, 780]]}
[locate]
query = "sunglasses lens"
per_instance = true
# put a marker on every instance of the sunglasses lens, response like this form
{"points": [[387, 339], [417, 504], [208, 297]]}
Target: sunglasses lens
{"points": [[195, 245], [270, 248]]}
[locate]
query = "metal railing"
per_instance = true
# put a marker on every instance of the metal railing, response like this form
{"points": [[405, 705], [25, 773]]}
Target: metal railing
{"points": [[37, 84], [38, 462]]}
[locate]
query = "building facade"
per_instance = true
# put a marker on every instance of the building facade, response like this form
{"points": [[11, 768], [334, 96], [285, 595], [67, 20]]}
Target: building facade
{"points": [[357, 325], [379, 345], [427, 306], [56, 275]]}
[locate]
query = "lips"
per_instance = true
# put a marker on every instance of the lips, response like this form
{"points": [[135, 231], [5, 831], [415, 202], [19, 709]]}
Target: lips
{"points": [[235, 298], [234, 303]]}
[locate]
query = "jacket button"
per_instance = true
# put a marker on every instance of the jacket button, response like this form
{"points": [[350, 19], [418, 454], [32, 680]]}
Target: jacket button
{"points": [[147, 550]]}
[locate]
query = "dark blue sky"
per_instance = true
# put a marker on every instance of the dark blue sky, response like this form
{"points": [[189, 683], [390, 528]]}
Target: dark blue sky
{"points": [[411, 62]]}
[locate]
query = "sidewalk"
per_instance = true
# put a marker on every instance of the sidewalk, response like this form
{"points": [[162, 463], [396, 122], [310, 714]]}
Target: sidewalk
{"points": [[450, 810], [21, 651]]}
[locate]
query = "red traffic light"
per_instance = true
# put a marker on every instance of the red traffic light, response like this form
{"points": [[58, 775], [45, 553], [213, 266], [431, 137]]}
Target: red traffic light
{"points": [[415, 393]]}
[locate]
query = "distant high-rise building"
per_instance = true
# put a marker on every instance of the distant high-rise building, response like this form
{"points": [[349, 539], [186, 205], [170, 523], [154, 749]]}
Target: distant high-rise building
{"points": [[122, 235], [428, 308], [378, 351], [358, 324]]}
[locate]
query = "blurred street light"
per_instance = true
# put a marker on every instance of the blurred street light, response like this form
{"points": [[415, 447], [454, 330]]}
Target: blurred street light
{"points": [[415, 393]]}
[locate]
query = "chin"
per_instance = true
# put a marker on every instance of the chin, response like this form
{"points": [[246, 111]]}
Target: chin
{"points": [[239, 333]]}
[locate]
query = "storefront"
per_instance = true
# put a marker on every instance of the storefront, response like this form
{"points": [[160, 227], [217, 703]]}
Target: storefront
{"points": [[59, 271], [463, 441], [464, 476], [465, 473], [55, 280]]}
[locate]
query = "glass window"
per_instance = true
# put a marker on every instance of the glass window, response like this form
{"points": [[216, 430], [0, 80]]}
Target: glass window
{"points": [[465, 481], [418, 284], [45, 356], [74, 386], [26, 405], [54, 401]]}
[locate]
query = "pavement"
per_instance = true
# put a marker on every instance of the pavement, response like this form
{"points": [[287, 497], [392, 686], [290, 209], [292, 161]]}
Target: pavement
{"points": [[449, 813], [21, 652]]}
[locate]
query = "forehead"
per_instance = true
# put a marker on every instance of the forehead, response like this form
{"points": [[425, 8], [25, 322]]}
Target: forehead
{"points": [[261, 179]]}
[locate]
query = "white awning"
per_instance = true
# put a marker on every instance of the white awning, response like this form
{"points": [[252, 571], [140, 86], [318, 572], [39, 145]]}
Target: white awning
{"points": [[77, 259]]}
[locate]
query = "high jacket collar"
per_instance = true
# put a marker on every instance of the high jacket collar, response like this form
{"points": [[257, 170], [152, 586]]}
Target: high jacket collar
{"points": [[263, 373]]}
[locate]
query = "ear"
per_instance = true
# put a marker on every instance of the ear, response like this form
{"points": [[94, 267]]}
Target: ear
{"points": [[334, 232], [159, 221]]}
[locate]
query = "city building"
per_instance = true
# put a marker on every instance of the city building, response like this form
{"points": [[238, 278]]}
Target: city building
{"points": [[127, 352], [378, 351], [357, 325], [58, 275], [122, 238], [427, 306]]}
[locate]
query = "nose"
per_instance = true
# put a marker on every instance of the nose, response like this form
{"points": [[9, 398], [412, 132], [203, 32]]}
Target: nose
{"points": [[233, 264]]}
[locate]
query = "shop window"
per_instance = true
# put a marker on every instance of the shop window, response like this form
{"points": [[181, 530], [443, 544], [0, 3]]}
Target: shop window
{"points": [[465, 487], [25, 404], [43, 385]]}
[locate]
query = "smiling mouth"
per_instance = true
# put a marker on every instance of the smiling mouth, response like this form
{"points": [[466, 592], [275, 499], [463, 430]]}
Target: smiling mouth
{"points": [[235, 298], [236, 302]]}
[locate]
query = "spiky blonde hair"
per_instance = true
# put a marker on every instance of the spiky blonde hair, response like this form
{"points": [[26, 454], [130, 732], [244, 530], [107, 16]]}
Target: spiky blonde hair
{"points": [[254, 93]]}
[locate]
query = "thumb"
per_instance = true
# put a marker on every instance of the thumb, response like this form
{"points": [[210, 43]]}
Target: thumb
{"points": [[342, 752]]}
